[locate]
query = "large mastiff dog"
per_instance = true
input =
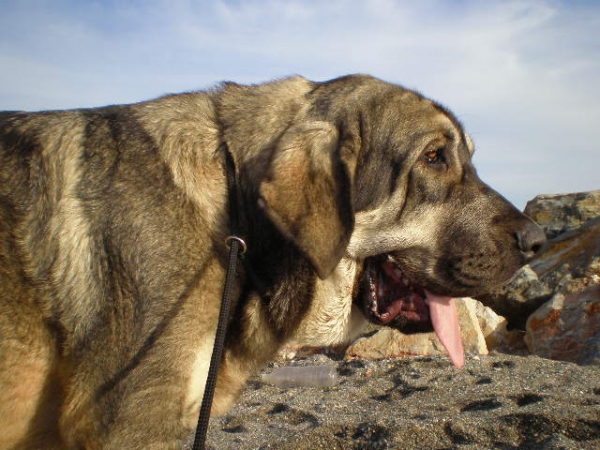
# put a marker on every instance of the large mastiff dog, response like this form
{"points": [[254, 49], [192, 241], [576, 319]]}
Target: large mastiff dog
{"points": [[357, 200]]}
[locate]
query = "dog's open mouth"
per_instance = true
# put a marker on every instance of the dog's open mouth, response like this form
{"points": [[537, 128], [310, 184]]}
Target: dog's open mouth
{"points": [[391, 298]]}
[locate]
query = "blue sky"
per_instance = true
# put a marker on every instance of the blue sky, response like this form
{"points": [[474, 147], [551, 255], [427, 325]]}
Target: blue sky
{"points": [[523, 76]]}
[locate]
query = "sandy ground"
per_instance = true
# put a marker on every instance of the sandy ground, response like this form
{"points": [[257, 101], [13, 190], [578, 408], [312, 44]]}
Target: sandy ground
{"points": [[494, 402]]}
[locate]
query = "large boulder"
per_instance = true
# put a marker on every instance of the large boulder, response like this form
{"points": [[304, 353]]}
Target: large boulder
{"points": [[567, 328], [563, 212], [560, 289]]}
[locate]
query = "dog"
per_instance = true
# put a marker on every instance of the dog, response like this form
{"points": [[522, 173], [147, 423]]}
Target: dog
{"points": [[357, 200]]}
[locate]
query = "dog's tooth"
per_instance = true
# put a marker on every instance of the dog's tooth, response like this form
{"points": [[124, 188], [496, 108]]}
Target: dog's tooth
{"points": [[412, 306]]}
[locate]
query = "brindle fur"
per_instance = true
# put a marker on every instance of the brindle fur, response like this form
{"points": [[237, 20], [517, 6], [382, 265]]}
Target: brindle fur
{"points": [[112, 228]]}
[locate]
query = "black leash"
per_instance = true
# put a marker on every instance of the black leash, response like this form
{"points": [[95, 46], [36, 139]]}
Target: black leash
{"points": [[237, 248]]}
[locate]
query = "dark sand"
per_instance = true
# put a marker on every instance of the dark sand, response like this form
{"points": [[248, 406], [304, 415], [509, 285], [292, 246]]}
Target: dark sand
{"points": [[494, 402]]}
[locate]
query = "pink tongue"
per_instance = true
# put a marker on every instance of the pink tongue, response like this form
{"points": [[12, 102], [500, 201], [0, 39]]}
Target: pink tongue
{"points": [[445, 323]]}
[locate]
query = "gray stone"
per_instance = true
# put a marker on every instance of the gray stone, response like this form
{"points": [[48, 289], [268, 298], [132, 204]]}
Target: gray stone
{"points": [[559, 213], [567, 328], [563, 212], [560, 289]]}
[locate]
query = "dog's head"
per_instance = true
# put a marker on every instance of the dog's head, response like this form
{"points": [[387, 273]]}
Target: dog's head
{"points": [[383, 176]]}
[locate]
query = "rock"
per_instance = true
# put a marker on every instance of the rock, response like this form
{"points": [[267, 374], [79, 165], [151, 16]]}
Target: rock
{"points": [[572, 252], [495, 330], [386, 342], [563, 281], [559, 213], [569, 259], [567, 328], [519, 298]]}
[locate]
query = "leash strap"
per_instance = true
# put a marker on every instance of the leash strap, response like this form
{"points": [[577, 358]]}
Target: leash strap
{"points": [[237, 248]]}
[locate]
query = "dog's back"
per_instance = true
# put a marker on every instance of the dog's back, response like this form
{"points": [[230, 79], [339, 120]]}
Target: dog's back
{"points": [[98, 247], [28, 351]]}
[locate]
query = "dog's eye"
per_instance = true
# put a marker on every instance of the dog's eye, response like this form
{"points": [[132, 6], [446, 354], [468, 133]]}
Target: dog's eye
{"points": [[435, 156]]}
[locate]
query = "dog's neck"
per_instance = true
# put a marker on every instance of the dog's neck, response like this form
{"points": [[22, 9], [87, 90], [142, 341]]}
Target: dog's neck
{"points": [[237, 224]]}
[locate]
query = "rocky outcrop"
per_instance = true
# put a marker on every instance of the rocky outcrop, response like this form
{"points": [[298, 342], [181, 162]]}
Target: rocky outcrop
{"points": [[567, 328], [560, 290], [559, 213]]}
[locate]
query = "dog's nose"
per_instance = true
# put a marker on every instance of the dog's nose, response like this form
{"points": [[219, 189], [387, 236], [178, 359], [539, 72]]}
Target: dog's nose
{"points": [[531, 239]]}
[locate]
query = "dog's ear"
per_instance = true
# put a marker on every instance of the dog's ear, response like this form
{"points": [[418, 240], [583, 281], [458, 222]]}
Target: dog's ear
{"points": [[307, 193]]}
